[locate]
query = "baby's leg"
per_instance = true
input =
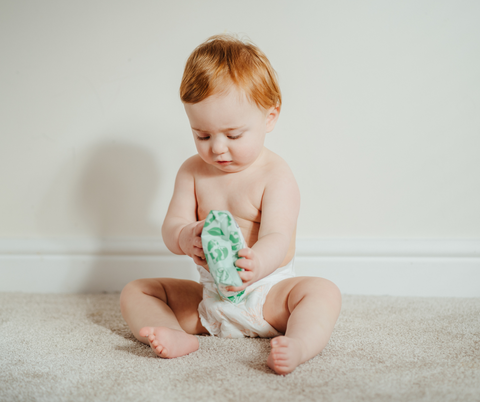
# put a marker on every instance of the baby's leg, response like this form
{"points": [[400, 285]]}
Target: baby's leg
{"points": [[305, 309], [163, 313]]}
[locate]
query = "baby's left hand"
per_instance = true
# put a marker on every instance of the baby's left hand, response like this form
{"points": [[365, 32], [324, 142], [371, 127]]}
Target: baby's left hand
{"points": [[251, 264]]}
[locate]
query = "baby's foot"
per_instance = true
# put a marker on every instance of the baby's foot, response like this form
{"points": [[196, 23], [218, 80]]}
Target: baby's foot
{"points": [[169, 343], [286, 354]]}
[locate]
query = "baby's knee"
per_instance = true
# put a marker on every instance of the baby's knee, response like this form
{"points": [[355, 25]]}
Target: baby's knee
{"points": [[318, 288], [329, 288], [132, 286], [127, 292], [138, 287]]}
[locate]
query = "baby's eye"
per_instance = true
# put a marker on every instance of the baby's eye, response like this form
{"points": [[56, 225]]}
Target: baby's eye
{"points": [[235, 137], [202, 138]]}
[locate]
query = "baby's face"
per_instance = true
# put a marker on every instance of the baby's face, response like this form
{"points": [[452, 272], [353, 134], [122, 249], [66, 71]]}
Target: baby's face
{"points": [[229, 131]]}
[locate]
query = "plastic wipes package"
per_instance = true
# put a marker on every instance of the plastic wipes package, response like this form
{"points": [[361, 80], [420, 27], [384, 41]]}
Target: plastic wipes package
{"points": [[221, 240]]}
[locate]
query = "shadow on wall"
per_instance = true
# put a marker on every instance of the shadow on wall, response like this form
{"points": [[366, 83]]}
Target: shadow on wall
{"points": [[116, 191], [106, 193], [115, 197]]}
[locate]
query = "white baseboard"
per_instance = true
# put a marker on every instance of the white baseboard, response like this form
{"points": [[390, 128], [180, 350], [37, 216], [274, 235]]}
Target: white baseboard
{"points": [[429, 268]]}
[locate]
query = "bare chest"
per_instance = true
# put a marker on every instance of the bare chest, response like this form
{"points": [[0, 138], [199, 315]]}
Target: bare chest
{"points": [[240, 194]]}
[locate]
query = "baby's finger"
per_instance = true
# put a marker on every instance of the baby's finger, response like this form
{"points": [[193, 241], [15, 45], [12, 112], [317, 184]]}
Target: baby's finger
{"points": [[237, 288], [245, 276], [199, 227], [244, 263], [201, 262], [197, 242], [245, 252], [199, 252]]}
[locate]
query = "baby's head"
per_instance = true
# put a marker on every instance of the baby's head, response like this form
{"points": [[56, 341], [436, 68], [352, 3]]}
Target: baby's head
{"points": [[232, 99], [223, 61]]}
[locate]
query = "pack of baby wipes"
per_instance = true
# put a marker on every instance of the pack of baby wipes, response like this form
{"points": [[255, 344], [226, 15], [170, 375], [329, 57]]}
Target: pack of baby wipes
{"points": [[221, 241]]}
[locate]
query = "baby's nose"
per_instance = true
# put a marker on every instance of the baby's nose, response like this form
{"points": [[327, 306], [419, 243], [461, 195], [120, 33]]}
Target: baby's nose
{"points": [[219, 147]]}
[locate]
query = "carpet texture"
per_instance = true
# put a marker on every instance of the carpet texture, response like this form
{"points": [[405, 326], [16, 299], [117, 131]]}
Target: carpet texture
{"points": [[78, 348]]}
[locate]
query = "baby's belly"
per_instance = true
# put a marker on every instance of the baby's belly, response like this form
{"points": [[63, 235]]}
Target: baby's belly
{"points": [[249, 230]]}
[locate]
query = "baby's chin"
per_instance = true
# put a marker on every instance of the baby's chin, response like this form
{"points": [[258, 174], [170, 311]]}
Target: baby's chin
{"points": [[230, 167]]}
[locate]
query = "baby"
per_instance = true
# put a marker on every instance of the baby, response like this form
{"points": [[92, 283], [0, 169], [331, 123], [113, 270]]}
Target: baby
{"points": [[232, 99]]}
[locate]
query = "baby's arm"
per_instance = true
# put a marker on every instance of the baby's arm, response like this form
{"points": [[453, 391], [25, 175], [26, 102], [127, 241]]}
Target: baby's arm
{"points": [[280, 209], [180, 230]]}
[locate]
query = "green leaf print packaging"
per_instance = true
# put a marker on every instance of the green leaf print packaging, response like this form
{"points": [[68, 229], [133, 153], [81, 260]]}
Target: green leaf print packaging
{"points": [[221, 240]]}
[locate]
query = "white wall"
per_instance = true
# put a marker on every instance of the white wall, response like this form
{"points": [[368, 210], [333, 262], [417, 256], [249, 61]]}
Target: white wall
{"points": [[380, 123]]}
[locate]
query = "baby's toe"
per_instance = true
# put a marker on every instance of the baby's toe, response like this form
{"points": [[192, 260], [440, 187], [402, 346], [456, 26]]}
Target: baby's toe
{"points": [[145, 331], [279, 342], [278, 357], [161, 351]]}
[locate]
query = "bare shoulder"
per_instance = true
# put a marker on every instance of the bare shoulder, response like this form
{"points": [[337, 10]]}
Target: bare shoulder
{"points": [[279, 170], [192, 168], [192, 164]]}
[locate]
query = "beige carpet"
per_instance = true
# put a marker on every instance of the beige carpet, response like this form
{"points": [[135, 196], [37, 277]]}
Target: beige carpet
{"points": [[78, 348]]}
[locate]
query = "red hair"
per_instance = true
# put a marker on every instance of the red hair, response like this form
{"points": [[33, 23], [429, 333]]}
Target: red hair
{"points": [[223, 60]]}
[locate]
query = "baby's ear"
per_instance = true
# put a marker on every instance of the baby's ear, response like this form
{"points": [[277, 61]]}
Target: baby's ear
{"points": [[272, 116]]}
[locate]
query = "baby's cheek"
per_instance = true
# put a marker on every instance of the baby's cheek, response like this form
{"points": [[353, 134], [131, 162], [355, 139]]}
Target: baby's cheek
{"points": [[247, 153]]}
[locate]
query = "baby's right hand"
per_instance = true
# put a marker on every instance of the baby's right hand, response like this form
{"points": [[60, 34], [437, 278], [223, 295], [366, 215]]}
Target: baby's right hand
{"points": [[190, 242]]}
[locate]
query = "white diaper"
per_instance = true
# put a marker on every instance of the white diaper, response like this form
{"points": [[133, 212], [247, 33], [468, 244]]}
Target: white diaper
{"points": [[228, 320]]}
